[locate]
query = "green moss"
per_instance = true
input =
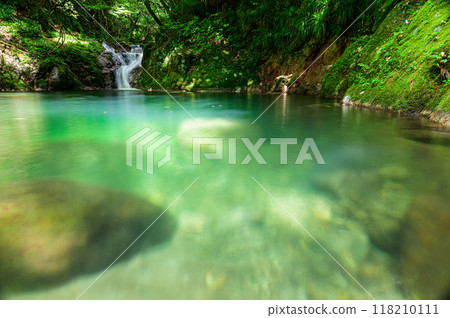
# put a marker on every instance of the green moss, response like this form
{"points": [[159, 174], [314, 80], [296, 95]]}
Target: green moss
{"points": [[346, 71], [74, 54], [9, 80], [400, 66], [77, 63]]}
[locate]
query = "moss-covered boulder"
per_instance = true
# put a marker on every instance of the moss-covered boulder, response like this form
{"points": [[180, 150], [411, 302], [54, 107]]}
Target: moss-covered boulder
{"points": [[52, 230], [61, 77]]}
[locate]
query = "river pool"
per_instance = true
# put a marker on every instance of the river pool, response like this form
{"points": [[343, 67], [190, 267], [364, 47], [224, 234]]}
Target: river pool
{"points": [[372, 222]]}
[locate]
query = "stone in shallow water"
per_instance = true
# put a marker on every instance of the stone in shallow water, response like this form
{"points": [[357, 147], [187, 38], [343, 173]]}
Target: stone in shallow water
{"points": [[377, 277], [191, 223], [394, 172], [374, 198], [349, 184], [387, 211], [425, 256], [52, 230], [215, 281], [347, 242], [321, 209]]}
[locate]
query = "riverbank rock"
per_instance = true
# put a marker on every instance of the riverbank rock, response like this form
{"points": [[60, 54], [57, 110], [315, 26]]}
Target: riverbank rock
{"points": [[53, 230], [425, 256], [17, 70], [61, 77], [385, 215], [109, 68]]}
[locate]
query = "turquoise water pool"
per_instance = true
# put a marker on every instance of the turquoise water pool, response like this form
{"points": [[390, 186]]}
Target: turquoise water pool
{"points": [[378, 206]]}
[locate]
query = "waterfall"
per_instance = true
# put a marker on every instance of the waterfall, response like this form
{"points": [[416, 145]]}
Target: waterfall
{"points": [[128, 62]]}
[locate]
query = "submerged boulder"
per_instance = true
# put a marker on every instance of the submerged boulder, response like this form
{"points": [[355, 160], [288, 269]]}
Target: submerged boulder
{"points": [[52, 230], [425, 256], [377, 200]]}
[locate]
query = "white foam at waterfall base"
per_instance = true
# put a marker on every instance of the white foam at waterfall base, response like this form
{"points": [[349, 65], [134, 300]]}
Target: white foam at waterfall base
{"points": [[129, 61]]}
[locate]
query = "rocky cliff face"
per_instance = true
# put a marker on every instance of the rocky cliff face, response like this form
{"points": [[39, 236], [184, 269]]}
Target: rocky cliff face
{"points": [[44, 65], [109, 68], [304, 71], [17, 69]]}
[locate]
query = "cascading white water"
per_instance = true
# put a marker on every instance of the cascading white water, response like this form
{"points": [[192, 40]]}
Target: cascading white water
{"points": [[129, 61]]}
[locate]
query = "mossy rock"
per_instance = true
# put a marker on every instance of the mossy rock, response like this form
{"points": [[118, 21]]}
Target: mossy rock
{"points": [[72, 67], [61, 78], [53, 230], [9, 80]]}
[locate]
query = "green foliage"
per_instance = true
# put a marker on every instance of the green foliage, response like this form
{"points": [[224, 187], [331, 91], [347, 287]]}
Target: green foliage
{"points": [[223, 43], [8, 79], [249, 33], [403, 65], [185, 10], [289, 24], [27, 28], [347, 70], [7, 12], [57, 34], [231, 44]]}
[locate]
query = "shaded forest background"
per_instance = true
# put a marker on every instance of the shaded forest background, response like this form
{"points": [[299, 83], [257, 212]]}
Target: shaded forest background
{"points": [[386, 58]]}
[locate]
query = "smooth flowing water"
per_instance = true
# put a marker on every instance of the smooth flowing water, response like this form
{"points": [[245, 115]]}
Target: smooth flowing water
{"points": [[379, 204], [128, 62]]}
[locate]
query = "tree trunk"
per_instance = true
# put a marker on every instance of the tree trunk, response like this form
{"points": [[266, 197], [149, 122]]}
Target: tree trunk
{"points": [[152, 13]]}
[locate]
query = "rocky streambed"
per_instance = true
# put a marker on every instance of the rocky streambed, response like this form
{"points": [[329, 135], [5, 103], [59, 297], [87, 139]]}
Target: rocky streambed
{"points": [[53, 230], [412, 229]]}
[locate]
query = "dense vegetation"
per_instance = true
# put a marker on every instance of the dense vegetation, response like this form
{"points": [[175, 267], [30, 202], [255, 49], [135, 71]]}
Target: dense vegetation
{"points": [[394, 55], [61, 33], [224, 44]]}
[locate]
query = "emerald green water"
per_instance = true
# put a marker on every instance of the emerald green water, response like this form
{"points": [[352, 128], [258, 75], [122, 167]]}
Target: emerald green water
{"points": [[232, 240]]}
